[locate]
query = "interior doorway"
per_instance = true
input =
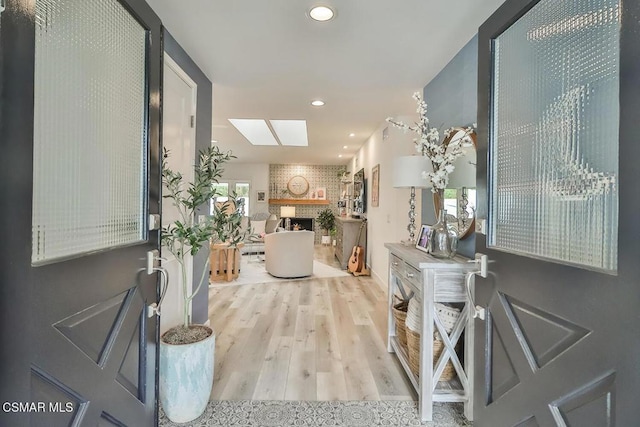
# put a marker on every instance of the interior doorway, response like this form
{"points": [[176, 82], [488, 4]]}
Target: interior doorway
{"points": [[179, 137]]}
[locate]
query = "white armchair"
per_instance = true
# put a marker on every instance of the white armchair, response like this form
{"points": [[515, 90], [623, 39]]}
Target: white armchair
{"points": [[289, 254]]}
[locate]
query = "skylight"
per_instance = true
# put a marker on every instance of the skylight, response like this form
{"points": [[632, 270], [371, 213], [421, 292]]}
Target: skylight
{"points": [[291, 132], [255, 130]]}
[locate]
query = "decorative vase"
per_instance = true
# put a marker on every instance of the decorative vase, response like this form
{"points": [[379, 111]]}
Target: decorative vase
{"points": [[443, 238], [186, 378]]}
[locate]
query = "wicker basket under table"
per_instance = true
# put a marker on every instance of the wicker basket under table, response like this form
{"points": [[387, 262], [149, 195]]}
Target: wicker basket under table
{"points": [[400, 316], [413, 344]]}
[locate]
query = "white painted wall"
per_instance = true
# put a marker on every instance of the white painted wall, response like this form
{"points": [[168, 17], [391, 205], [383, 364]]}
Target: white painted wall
{"points": [[387, 222], [257, 174]]}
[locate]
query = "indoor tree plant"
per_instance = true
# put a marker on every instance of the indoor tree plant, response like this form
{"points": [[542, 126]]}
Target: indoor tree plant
{"points": [[327, 221], [187, 351]]}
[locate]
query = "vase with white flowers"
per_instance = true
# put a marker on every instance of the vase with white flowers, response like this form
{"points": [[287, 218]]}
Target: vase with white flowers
{"points": [[442, 153]]}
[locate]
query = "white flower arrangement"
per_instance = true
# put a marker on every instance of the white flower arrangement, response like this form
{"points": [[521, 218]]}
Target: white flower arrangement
{"points": [[442, 154]]}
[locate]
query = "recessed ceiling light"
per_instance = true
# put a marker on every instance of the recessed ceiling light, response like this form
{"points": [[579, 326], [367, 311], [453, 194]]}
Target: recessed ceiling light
{"points": [[352, 134], [321, 13], [344, 146], [317, 103], [339, 155]]}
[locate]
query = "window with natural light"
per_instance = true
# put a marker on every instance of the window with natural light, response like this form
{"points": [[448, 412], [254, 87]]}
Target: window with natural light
{"points": [[242, 190]]}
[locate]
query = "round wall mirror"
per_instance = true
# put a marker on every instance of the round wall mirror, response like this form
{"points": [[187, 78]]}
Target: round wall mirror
{"points": [[460, 194]]}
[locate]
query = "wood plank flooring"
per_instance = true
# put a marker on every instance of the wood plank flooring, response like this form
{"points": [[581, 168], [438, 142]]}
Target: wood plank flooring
{"points": [[320, 339]]}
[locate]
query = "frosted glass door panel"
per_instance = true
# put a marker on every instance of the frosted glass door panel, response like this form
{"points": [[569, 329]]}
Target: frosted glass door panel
{"points": [[554, 134], [89, 134]]}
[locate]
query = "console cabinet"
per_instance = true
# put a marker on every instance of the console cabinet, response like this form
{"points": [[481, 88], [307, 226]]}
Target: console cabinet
{"points": [[434, 280], [347, 230]]}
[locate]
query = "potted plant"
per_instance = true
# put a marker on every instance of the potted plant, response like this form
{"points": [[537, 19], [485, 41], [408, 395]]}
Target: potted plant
{"points": [[187, 351], [326, 220]]}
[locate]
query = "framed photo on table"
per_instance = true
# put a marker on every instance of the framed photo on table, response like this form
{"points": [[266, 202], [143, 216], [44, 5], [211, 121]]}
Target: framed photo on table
{"points": [[321, 193], [423, 239]]}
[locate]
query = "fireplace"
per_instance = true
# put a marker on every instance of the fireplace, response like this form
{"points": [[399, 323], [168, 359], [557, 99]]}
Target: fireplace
{"points": [[304, 223]]}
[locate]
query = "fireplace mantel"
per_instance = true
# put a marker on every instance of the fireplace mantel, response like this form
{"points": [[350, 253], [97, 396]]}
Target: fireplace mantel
{"points": [[298, 202]]}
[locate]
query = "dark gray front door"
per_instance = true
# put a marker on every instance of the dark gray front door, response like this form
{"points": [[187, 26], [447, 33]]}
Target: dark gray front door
{"points": [[79, 143], [559, 96]]}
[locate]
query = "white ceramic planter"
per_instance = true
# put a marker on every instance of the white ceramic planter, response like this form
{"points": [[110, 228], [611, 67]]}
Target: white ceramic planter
{"points": [[186, 378]]}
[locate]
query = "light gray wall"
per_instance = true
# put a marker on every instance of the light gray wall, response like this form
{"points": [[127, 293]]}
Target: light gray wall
{"points": [[451, 99], [200, 313]]}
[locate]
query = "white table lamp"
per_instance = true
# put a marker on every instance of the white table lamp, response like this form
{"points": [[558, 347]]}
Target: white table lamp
{"points": [[287, 212], [407, 173]]}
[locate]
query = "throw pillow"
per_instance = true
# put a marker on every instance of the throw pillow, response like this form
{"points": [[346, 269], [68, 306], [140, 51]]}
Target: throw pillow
{"points": [[258, 227], [244, 224], [271, 225]]}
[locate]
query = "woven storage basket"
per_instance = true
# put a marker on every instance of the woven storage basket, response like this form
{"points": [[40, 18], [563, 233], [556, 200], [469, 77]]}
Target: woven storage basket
{"points": [[449, 371], [400, 315], [413, 322], [414, 318], [413, 344], [448, 317]]}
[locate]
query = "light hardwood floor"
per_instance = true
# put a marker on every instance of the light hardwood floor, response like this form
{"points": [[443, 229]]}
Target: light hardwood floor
{"points": [[320, 339]]}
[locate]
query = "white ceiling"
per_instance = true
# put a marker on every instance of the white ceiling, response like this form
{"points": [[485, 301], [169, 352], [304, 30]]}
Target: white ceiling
{"points": [[267, 59]]}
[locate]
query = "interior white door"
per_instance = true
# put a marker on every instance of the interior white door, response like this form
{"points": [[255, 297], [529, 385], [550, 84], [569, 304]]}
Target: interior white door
{"points": [[179, 137]]}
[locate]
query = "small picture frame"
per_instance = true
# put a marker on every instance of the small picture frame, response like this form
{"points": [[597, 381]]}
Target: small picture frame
{"points": [[321, 193], [261, 196], [423, 239], [375, 186]]}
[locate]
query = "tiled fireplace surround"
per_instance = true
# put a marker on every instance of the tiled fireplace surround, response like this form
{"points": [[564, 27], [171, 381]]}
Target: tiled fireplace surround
{"points": [[327, 176]]}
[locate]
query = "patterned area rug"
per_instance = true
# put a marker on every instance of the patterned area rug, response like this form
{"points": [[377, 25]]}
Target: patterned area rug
{"points": [[245, 413], [252, 272]]}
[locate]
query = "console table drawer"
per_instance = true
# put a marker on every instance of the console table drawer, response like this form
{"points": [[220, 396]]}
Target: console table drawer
{"points": [[395, 262], [413, 276]]}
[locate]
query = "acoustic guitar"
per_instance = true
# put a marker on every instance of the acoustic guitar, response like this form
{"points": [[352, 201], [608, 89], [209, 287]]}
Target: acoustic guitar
{"points": [[356, 260]]}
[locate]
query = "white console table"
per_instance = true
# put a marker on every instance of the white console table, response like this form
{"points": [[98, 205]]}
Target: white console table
{"points": [[434, 280]]}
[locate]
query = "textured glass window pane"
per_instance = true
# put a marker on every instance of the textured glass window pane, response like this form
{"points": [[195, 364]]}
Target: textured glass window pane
{"points": [[89, 131], [554, 134]]}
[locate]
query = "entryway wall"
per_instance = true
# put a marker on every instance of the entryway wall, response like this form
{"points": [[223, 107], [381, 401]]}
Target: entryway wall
{"points": [[200, 307], [451, 97], [388, 221], [452, 101]]}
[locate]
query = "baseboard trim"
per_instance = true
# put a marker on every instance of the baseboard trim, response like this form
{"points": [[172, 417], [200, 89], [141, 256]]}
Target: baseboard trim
{"points": [[381, 283]]}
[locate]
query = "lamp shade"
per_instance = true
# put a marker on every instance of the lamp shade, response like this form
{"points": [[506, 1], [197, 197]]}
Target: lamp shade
{"points": [[287, 211], [407, 171]]}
